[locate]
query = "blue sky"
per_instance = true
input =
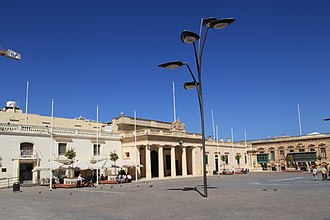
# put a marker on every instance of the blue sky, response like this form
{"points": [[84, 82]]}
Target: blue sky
{"points": [[255, 71]]}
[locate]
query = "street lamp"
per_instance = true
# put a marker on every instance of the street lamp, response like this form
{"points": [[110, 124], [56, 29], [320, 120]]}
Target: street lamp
{"points": [[10, 54], [191, 38]]}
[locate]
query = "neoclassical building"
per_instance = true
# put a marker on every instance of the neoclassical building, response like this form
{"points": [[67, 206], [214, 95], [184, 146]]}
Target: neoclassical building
{"points": [[154, 149], [168, 150], [298, 152]]}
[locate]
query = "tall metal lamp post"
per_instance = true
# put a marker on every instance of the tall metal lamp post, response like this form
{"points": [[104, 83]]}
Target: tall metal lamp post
{"points": [[191, 38]]}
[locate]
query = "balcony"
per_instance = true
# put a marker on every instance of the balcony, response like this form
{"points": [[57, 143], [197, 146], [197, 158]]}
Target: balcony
{"points": [[28, 154], [262, 158]]}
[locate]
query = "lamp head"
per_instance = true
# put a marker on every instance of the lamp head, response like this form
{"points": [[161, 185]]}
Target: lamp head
{"points": [[207, 21], [190, 85], [221, 23], [189, 37], [172, 65]]}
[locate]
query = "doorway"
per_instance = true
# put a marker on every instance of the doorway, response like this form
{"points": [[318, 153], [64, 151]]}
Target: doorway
{"points": [[154, 164]]}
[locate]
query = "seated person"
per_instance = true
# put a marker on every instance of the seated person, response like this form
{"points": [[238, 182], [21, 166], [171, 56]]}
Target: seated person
{"points": [[118, 179]]}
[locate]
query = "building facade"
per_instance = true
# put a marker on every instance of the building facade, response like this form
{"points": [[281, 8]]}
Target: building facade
{"points": [[299, 152], [167, 150], [26, 143], [155, 149]]}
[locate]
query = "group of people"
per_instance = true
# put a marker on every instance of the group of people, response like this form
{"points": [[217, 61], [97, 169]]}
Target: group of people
{"points": [[324, 171], [82, 182], [124, 178]]}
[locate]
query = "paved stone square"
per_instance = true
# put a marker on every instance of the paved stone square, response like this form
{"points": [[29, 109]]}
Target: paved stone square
{"points": [[269, 195]]}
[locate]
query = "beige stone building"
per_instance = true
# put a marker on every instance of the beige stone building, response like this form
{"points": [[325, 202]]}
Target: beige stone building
{"points": [[156, 150], [151, 148], [299, 152], [168, 150]]}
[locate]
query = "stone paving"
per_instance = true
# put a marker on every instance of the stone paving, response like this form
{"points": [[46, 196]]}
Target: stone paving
{"points": [[272, 195]]}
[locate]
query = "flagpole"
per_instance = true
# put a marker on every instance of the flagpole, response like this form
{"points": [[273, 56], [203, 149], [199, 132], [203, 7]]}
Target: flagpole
{"points": [[232, 147], [217, 132], [51, 148], [300, 130], [97, 143], [137, 151], [26, 101], [174, 105], [213, 124]]}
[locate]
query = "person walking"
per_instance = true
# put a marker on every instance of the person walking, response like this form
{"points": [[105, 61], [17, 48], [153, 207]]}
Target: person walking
{"points": [[324, 172], [315, 173]]}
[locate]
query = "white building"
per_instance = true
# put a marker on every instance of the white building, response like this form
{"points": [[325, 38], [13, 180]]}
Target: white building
{"points": [[25, 142], [165, 150]]}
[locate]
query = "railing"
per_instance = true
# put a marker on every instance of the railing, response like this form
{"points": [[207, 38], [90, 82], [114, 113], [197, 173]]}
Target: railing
{"points": [[8, 182], [26, 153], [45, 130], [147, 123], [164, 133]]}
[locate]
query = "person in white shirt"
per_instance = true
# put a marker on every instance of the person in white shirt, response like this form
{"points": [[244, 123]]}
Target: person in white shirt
{"points": [[79, 180], [315, 173]]}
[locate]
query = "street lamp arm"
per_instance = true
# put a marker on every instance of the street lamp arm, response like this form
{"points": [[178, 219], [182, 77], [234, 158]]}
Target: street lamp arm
{"points": [[201, 49], [191, 73]]}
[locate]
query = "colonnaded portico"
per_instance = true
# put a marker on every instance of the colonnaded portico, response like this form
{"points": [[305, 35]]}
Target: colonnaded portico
{"points": [[161, 160], [169, 160], [163, 149]]}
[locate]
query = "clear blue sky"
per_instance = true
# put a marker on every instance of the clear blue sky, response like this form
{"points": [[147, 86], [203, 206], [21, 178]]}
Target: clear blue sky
{"points": [[255, 72]]}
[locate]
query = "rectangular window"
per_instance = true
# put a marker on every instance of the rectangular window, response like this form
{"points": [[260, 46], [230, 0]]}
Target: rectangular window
{"points": [[282, 155], [127, 154], [3, 170], [245, 159], [226, 159], [272, 155], [301, 150], [323, 153], [96, 150], [206, 159], [312, 150], [61, 149]]}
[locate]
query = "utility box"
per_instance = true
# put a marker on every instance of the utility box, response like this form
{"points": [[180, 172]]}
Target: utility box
{"points": [[16, 187]]}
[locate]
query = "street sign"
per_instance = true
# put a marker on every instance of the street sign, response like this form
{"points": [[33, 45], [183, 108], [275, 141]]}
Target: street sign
{"points": [[13, 54]]}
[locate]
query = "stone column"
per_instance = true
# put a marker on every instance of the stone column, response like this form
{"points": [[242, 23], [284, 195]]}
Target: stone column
{"points": [[184, 161], [161, 162], [148, 163], [194, 161], [173, 169]]}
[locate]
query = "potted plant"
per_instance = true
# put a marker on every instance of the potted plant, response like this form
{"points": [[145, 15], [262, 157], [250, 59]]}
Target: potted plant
{"points": [[238, 157], [70, 154], [114, 157]]}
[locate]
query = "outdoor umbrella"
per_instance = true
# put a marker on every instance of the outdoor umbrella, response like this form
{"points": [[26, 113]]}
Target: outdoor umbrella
{"points": [[104, 164], [54, 165], [127, 163], [81, 165]]}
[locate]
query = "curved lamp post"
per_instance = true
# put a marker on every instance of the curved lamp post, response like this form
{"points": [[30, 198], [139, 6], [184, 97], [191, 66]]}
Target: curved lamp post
{"points": [[191, 38]]}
